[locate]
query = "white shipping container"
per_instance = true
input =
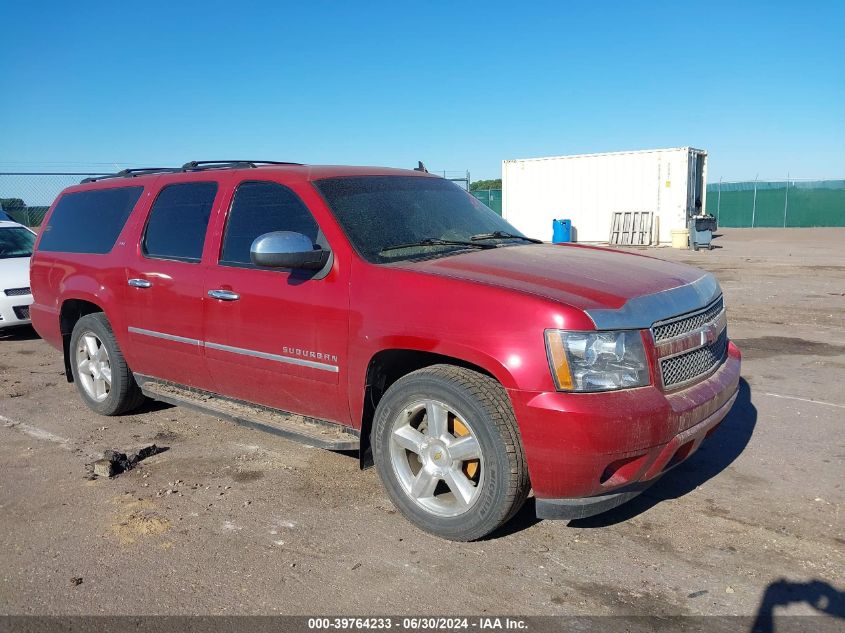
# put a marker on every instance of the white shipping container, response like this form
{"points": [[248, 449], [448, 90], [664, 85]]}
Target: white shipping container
{"points": [[589, 188]]}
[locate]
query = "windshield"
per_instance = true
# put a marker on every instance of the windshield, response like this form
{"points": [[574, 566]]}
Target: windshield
{"points": [[16, 242], [386, 217]]}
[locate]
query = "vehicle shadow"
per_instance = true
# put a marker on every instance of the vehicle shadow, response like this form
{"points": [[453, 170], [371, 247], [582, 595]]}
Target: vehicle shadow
{"points": [[19, 333], [151, 406], [715, 454], [522, 520], [817, 593]]}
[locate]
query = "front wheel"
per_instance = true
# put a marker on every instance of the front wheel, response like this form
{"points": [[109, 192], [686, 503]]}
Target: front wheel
{"points": [[447, 448]]}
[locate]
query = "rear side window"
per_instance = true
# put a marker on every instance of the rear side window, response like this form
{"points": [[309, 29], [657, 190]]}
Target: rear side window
{"points": [[178, 221], [89, 221], [263, 207]]}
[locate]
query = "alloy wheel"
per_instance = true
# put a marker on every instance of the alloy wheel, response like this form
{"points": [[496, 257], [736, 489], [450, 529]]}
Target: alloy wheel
{"points": [[93, 366], [437, 458]]}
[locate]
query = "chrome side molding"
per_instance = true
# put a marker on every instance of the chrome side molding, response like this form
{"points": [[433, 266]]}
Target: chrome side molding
{"points": [[237, 350]]}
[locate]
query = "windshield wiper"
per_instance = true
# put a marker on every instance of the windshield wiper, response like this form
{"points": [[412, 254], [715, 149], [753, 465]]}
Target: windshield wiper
{"points": [[434, 241], [504, 235]]}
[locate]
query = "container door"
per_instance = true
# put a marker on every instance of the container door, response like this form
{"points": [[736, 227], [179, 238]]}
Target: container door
{"points": [[695, 184]]}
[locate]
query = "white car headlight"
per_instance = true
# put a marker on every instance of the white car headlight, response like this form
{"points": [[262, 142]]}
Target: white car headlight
{"points": [[597, 361]]}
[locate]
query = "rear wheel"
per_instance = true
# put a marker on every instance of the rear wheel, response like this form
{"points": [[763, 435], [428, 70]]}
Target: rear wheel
{"points": [[447, 448], [100, 372]]}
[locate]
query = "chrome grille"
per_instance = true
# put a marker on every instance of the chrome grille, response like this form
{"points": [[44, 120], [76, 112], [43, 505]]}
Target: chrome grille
{"points": [[684, 368], [665, 330], [17, 292]]}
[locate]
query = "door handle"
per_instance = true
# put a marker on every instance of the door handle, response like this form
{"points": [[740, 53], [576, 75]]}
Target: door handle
{"points": [[140, 283], [224, 295]]}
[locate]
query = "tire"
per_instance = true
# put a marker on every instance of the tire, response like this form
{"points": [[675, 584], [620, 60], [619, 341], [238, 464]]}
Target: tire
{"points": [[409, 452], [103, 379]]}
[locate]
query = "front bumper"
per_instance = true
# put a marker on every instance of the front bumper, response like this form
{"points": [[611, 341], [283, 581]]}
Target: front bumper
{"points": [[14, 310], [670, 455], [588, 453]]}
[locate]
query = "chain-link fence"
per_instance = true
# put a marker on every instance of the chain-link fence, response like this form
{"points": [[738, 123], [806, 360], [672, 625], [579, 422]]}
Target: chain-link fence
{"points": [[26, 196], [784, 203], [491, 197]]}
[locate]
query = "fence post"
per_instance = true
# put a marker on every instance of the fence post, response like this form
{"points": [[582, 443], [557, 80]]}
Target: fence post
{"points": [[719, 201], [786, 200], [754, 204]]}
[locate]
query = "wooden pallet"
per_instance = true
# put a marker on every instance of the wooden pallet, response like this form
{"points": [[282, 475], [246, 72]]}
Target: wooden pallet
{"points": [[631, 228]]}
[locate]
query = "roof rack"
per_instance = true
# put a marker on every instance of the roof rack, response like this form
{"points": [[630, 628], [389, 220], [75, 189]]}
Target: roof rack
{"points": [[131, 173], [194, 165]]}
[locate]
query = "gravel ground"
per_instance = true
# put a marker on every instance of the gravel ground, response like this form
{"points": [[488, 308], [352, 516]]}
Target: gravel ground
{"points": [[233, 521]]}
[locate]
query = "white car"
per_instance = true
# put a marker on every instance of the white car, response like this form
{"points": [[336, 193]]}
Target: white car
{"points": [[16, 243]]}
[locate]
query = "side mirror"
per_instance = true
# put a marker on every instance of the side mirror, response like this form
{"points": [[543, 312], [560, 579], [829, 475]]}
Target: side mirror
{"points": [[286, 249]]}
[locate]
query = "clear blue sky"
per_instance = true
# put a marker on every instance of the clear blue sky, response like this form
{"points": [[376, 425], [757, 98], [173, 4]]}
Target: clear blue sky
{"points": [[761, 86]]}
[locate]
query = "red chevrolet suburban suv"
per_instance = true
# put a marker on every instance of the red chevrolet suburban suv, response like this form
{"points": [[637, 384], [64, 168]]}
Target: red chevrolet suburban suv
{"points": [[387, 311]]}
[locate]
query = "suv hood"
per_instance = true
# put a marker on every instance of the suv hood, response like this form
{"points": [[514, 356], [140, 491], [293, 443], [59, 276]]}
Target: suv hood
{"points": [[616, 289]]}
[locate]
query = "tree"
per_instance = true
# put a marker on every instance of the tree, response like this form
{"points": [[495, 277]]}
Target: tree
{"points": [[15, 209], [12, 204], [486, 184]]}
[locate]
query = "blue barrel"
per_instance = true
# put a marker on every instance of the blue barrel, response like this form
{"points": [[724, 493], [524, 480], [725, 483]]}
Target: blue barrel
{"points": [[561, 231]]}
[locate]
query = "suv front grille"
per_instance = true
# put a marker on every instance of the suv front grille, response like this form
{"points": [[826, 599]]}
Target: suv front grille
{"points": [[17, 292], [679, 326], [684, 368], [22, 312]]}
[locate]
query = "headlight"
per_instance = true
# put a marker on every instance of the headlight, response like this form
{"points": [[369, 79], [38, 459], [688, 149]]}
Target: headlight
{"points": [[596, 361]]}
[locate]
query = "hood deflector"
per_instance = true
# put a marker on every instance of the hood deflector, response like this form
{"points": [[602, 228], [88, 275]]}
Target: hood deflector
{"points": [[639, 313]]}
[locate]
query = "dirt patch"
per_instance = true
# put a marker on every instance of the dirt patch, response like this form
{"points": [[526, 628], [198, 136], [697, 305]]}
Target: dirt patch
{"points": [[770, 346], [722, 273], [246, 476], [166, 436], [137, 519], [636, 602], [832, 269]]}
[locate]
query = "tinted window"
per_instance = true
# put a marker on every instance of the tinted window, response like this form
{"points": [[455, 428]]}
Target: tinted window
{"points": [[178, 220], [263, 207], [89, 221], [377, 212], [15, 242]]}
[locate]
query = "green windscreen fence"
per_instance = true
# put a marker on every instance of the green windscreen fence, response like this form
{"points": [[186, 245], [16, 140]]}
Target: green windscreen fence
{"points": [[782, 203], [491, 197]]}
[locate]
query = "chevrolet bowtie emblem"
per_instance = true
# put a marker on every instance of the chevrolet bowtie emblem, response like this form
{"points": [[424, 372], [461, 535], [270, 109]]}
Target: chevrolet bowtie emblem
{"points": [[438, 455]]}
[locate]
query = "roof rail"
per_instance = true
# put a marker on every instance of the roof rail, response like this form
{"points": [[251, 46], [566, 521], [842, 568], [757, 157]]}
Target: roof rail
{"points": [[131, 173], [194, 165]]}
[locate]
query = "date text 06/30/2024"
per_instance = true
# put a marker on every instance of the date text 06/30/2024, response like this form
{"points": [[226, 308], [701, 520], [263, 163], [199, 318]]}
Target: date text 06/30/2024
{"points": [[422, 623]]}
